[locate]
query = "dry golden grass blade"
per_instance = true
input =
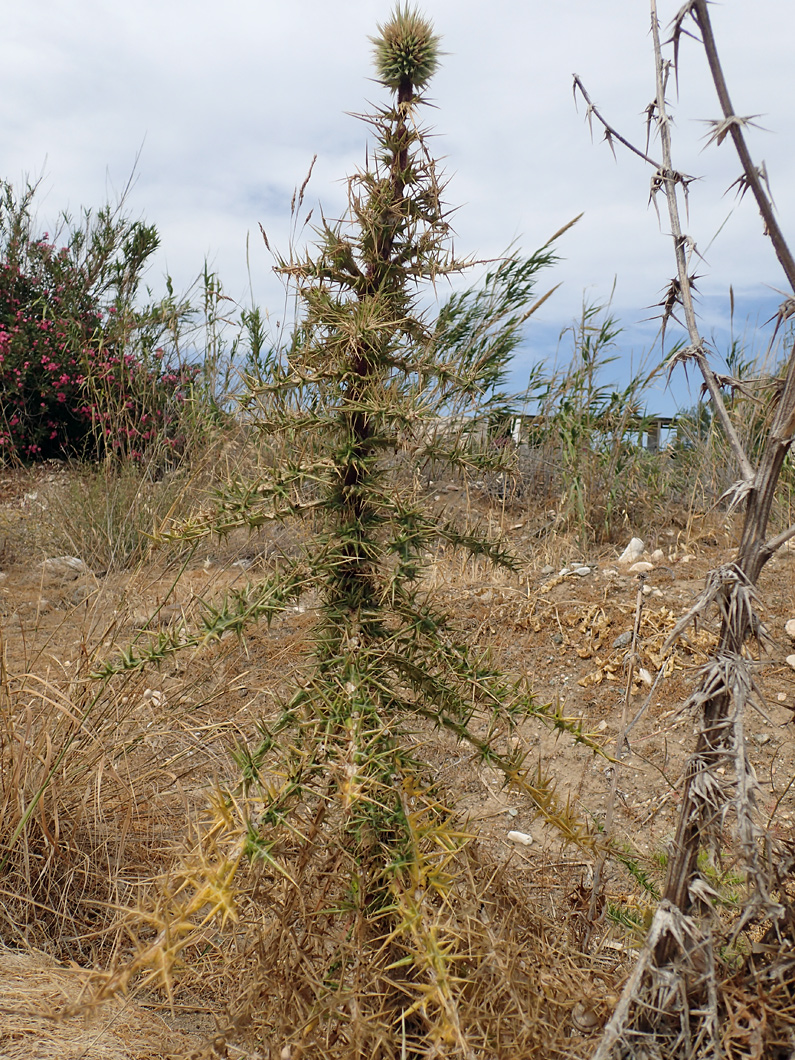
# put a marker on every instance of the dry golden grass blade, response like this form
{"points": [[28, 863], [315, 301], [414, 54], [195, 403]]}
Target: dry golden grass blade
{"points": [[34, 1024]]}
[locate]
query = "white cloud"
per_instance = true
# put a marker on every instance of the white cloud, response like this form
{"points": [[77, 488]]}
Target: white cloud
{"points": [[228, 103]]}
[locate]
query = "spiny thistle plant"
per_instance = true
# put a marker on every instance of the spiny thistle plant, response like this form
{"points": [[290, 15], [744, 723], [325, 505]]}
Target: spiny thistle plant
{"points": [[356, 858]]}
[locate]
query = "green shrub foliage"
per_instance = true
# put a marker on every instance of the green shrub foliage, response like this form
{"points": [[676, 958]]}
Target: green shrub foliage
{"points": [[80, 371]]}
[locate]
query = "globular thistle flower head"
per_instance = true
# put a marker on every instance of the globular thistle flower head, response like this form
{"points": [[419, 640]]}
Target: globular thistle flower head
{"points": [[406, 50]]}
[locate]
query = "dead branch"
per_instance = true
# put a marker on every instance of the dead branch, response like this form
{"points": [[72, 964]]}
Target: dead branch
{"points": [[673, 967], [667, 178], [733, 125], [775, 543], [610, 133], [723, 693]]}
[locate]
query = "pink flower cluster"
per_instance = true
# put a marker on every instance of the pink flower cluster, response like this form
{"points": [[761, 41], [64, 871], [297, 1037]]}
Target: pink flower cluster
{"points": [[71, 379]]}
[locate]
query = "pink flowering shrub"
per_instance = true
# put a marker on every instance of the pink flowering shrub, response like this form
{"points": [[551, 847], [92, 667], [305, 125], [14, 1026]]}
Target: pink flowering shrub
{"points": [[80, 372]]}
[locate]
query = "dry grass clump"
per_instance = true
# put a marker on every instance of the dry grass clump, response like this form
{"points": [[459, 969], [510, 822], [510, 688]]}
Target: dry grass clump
{"points": [[71, 800], [96, 777], [108, 514], [757, 1002], [500, 979], [36, 992], [460, 960]]}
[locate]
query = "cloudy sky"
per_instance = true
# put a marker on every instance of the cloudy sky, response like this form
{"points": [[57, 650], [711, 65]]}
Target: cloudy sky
{"points": [[219, 108]]}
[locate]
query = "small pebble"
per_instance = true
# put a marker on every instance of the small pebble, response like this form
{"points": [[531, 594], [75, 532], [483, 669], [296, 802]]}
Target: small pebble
{"points": [[642, 567], [521, 837]]}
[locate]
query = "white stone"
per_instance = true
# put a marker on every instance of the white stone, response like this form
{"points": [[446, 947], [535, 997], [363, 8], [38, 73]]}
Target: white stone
{"points": [[642, 567], [583, 572], [633, 550], [791, 661], [658, 556], [521, 837], [790, 628], [64, 567]]}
